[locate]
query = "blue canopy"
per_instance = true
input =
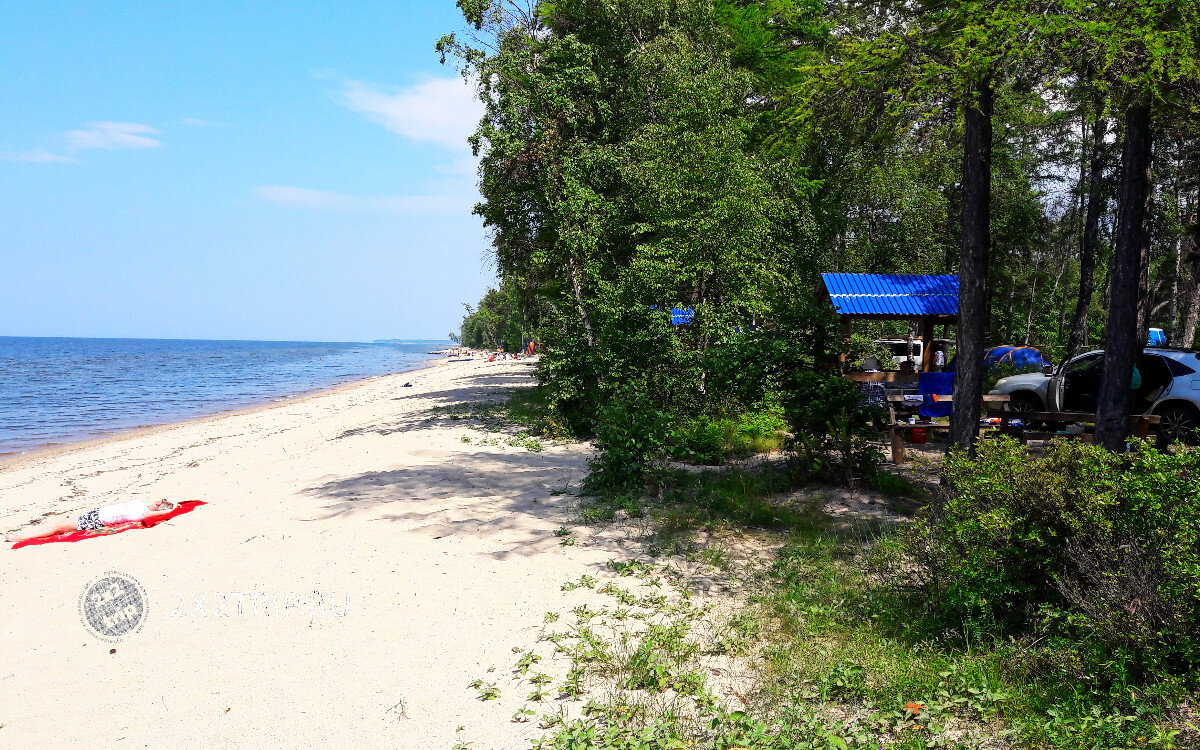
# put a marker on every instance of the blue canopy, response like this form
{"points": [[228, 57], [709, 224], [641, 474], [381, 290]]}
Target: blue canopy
{"points": [[892, 295], [680, 316]]}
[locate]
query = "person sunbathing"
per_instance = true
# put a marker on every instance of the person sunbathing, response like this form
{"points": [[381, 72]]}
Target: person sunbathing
{"points": [[94, 519]]}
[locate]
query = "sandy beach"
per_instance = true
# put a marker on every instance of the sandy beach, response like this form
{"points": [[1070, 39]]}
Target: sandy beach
{"points": [[432, 558]]}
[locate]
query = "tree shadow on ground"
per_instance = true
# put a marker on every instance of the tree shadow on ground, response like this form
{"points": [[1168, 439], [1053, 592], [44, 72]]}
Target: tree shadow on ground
{"points": [[477, 400], [521, 498]]}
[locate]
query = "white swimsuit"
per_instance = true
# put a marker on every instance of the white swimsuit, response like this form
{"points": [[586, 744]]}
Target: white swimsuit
{"points": [[111, 515], [134, 510]]}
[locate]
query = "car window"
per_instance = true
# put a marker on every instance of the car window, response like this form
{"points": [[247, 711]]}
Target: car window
{"points": [[1177, 368], [1082, 363]]}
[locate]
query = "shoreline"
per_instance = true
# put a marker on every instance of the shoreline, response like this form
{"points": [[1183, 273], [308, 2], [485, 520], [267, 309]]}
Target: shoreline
{"points": [[441, 553], [54, 450]]}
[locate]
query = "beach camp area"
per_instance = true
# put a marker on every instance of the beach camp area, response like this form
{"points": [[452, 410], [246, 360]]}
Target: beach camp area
{"points": [[624, 375]]}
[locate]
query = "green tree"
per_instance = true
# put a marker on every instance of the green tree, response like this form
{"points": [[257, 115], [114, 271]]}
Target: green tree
{"points": [[623, 174], [1148, 53], [498, 322]]}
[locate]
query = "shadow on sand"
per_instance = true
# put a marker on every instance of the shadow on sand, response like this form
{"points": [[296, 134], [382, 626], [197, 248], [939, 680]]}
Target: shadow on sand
{"points": [[460, 406], [519, 496]]}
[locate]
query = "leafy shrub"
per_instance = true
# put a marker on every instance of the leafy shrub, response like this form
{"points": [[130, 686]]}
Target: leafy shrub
{"points": [[831, 424], [1098, 550]]}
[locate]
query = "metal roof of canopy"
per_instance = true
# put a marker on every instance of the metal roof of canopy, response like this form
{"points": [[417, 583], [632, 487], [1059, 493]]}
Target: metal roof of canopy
{"points": [[892, 296]]}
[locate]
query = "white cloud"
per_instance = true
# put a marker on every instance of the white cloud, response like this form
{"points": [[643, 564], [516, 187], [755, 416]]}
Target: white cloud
{"points": [[37, 155], [443, 111], [298, 197], [440, 111], [110, 136], [113, 135]]}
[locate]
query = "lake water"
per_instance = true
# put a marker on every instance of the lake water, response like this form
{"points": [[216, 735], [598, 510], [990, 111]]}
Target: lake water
{"points": [[54, 390]]}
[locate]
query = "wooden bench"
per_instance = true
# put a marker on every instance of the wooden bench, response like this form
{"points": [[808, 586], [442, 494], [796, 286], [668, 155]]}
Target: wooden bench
{"points": [[1139, 424]]}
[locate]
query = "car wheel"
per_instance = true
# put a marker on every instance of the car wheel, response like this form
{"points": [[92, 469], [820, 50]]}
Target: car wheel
{"points": [[1024, 403], [1178, 422]]}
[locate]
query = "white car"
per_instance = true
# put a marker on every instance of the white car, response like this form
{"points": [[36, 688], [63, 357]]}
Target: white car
{"points": [[899, 349], [1170, 388]]}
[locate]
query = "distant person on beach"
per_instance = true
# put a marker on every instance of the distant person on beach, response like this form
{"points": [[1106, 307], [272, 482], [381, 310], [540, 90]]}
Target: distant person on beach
{"points": [[96, 518]]}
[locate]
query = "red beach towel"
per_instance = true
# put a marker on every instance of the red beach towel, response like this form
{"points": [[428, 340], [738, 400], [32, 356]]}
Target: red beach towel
{"points": [[185, 506]]}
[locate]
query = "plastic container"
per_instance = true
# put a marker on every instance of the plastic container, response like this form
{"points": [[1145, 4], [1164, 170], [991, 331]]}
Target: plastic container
{"points": [[918, 436]]}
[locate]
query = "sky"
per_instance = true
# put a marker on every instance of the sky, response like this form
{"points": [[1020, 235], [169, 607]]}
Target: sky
{"points": [[240, 170]]}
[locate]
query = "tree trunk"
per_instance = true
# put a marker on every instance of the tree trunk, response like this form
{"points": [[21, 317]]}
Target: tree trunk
{"points": [[1173, 306], [583, 315], [1032, 305], [1121, 342], [1145, 293], [1009, 314], [1190, 313], [1087, 247], [973, 268], [1172, 329]]}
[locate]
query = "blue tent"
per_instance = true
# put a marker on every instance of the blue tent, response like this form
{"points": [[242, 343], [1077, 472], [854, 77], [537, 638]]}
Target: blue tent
{"points": [[1024, 358], [680, 316]]}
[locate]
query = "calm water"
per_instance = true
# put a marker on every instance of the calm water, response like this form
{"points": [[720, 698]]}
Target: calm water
{"points": [[59, 389]]}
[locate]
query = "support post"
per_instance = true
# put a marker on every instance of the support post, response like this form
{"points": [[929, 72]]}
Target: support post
{"points": [[847, 329], [897, 446], [926, 344]]}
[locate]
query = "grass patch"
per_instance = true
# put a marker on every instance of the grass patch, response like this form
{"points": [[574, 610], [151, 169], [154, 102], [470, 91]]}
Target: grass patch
{"points": [[835, 655], [712, 440]]}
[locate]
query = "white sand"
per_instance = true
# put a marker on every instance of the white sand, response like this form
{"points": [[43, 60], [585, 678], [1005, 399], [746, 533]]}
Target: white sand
{"points": [[446, 550]]}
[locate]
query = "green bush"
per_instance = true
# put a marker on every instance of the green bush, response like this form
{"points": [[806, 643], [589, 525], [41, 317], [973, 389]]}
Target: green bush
{"points": [[1097, 551], [499, 321], [832, 427], [631, 432], [710, 440]]}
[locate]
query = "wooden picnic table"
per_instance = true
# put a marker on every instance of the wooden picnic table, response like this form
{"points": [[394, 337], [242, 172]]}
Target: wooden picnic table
{"points": [[898, 430]]}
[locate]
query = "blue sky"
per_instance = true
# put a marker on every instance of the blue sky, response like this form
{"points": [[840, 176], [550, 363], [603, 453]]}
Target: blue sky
{"points": [[235, 170]]}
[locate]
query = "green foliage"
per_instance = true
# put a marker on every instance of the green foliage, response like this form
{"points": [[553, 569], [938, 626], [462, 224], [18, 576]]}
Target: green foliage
{"points": [[639, 155], [1095, 550], [487, 690], [832, 665], [840, 654], [712, 440], [832, 425], [498, 322], [622, 175]]}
